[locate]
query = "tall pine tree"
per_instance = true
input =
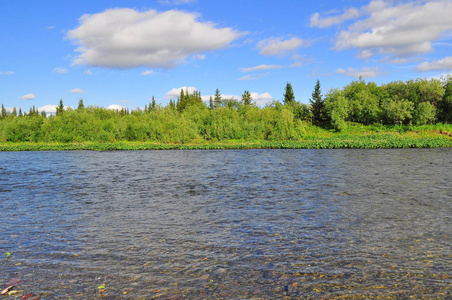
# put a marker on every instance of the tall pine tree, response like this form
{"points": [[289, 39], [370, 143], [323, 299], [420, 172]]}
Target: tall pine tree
{"points": [[217, 99], [318, 106], [246, 98], [289, 96]]}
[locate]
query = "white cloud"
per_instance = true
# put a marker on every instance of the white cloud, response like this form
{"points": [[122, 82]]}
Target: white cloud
{"points": [[77, 91], [365, 72], [261, 67], [261, 99], [394, 28], [28, 97], [126, 38], [7, 73], [175, 93], [88, 72], [59, 70], [115, 107], [351, 13], [148, 72], [51, 109], [444, 64], [276, 46]]}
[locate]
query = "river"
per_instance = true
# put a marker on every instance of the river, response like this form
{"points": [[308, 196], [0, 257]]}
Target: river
{"points": [[251, 224]]}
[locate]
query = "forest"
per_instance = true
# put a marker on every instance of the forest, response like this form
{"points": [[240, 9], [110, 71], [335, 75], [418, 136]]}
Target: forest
{"points": [[358, 108]]}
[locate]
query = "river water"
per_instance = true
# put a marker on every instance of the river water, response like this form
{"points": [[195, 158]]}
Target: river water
{"points": [[251, 224]]}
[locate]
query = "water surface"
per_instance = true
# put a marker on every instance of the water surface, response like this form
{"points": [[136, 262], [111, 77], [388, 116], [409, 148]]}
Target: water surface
{"points": [[262, 224]]}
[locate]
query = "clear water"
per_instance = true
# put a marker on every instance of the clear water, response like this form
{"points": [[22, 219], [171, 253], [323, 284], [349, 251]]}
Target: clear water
{"points": [[252, 224]]}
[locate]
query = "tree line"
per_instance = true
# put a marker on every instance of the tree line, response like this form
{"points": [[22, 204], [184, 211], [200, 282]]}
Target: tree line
{"points": [[189, 119]]}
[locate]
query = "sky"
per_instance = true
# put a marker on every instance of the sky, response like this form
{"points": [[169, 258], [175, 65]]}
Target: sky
{"points": [[119, 53]]}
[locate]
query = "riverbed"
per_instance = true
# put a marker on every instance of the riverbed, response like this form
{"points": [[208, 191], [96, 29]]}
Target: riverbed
{"points": [[251, 224]]}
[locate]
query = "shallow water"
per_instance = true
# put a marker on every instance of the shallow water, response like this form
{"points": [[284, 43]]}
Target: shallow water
{"points": [[262, 224]]}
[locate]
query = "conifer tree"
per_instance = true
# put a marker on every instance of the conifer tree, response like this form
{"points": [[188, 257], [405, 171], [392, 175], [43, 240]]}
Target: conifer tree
{"points": [[318, 106], [153, 103], [60, 108], [3, 111], [217, 99], [289, 96], [211, 103], [81, 106], [246, 98]]}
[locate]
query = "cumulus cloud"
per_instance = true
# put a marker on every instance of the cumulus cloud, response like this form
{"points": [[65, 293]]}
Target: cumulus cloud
{"points": [[127, 38], [261, 67], [77, 91], [393, 28], [261, 99], [351, 13], [437, 65], [51, 109], [365, 72], [115, 107], [28, 97], [174, 93], [277, 46], [7, 73], [59, 70]]}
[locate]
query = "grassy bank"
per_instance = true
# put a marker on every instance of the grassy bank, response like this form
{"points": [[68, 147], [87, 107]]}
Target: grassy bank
{"points": [[355, 137]]}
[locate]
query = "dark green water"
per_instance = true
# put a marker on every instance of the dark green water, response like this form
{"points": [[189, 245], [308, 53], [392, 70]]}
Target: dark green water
{"points": [[252, 224]]}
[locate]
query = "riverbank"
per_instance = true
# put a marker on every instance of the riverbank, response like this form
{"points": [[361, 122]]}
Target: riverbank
{"points": [[335, 141]]}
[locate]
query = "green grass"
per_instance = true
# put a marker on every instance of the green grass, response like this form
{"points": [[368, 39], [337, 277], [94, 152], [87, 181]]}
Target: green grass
{"points": [[356, 136]]}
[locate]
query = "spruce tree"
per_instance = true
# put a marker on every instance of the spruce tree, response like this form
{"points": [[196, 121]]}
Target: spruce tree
{"points": [[318, 106], [153, 104], [289, 96], [3, 111], [81, 106], [217, 98], [60, 108], [211, 103], [246, 98]]}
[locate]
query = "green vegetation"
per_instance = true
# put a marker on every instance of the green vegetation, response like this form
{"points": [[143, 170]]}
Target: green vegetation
{"points": [[415, 113]]}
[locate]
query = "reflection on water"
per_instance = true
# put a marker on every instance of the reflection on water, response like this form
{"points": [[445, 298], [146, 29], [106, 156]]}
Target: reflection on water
{"points": [[228, 224]]}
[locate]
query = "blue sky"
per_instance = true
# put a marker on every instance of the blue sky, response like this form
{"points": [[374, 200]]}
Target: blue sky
{"points": [[124, 52]]}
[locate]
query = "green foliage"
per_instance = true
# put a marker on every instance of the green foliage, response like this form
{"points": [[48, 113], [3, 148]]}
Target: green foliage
{"points": [[3, 112], [217, 99], [246, 98], [444, 108], [81, 106], [337, 106], [191, 122], [288, 96], [318, 109], [60, 108]]}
